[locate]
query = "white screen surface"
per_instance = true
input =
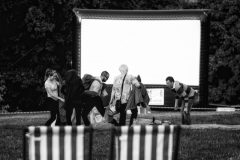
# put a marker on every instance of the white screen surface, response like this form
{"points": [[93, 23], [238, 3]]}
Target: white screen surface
{"points": [[154, 49]]}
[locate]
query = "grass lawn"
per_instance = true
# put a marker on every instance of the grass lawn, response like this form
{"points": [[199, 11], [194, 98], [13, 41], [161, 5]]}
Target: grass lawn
{"points": [[197, 142]]}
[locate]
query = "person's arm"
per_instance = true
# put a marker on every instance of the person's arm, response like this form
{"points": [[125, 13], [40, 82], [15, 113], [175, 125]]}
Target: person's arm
{"points": [[176, 103], [95, 86], [58, 84], [61, 99], [112, 96], [112, 93], [104, 93], [49, 91]]}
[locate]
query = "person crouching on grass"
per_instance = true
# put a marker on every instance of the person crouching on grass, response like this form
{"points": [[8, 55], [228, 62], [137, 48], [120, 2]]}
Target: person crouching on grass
{"points": [[186, 93]]}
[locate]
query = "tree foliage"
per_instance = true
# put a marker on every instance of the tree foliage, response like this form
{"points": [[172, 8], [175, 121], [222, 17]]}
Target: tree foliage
{"points": [[37, 34]]}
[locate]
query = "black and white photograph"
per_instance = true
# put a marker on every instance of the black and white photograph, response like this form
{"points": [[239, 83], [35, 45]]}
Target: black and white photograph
{"points": [[120, 80]]}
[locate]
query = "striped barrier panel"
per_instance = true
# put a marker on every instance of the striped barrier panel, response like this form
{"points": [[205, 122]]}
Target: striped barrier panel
{"points": [[58, 143], [127, 143], [147, 142]]}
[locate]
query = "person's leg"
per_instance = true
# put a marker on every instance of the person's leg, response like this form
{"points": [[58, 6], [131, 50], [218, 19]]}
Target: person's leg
{"points": [[52, 104], [78, 109], [58, 121], [122, 120], [183, 114], [133, 115], [86, 108], [91, 99], [51, 119], [97, 102], [69, 111], [62, 113], [189, 107], [86, 104], [109, 117]]}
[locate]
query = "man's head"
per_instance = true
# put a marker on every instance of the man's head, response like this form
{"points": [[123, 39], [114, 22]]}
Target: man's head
{"points": [[104, 76], [169, 81], [123, 69]]}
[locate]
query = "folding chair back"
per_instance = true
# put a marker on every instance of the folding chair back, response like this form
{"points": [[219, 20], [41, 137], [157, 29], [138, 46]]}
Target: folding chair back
{"points": [[58, 143], [146, 142]]}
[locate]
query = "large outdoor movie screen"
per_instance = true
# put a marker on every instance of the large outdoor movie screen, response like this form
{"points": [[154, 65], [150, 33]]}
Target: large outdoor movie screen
{"points": [[153, 49], [154, 44]]}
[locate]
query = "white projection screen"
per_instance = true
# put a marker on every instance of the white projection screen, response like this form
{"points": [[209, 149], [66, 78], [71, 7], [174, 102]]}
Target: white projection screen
{"points": [[153, 44]]}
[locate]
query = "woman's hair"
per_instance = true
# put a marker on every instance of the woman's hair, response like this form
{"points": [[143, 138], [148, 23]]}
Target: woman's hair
{"points": [[139, 78], [123, 68], [59, 78], [48, 72], [135, 82]]}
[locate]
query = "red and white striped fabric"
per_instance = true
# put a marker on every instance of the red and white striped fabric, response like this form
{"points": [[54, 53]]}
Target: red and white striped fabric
{"points": [[58, 143], [146, 142]]}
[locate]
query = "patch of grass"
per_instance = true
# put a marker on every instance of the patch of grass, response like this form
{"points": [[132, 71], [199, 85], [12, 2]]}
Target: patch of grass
{"points": [[216, 144], [11, 144], [195, 144]]}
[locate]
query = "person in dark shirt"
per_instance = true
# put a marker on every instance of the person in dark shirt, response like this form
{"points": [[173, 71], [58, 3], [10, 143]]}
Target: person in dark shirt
{"points": [[73, 91]]}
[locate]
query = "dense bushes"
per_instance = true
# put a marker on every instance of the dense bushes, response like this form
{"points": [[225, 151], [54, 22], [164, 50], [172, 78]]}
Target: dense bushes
{"points": [[38, 34]]}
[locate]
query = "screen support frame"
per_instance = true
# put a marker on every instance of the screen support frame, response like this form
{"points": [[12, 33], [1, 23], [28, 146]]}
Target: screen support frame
{"points": [[192, 14]]}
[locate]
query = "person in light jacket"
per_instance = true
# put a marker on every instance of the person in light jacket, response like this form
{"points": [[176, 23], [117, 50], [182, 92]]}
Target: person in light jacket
{"points": [[121, 91]]}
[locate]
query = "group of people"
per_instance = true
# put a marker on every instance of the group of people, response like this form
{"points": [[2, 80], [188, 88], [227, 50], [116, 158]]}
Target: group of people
{"points": [[85, 96]]}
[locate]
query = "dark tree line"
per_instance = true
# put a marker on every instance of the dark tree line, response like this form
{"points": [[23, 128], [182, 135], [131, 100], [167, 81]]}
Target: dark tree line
{"points": [[36, 34]]}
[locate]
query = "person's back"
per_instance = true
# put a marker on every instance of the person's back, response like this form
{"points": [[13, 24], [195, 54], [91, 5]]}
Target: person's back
{"points": [[98, 82], [92, 101], [74, 87], [181, 89], [74, 90], [96, 86], [187, 95]]}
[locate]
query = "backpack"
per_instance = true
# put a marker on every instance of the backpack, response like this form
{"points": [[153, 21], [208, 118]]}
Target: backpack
{"points": [[88, 80]]}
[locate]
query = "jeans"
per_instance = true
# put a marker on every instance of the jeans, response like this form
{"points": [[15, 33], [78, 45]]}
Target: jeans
{"points": [[88, 101], [133, 115], [69, 111], [123, 113], [185, 111], [54, 111]]}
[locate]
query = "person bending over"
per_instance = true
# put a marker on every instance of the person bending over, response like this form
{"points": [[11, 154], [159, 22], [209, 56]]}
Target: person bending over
{"points": [[186, 93]]}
